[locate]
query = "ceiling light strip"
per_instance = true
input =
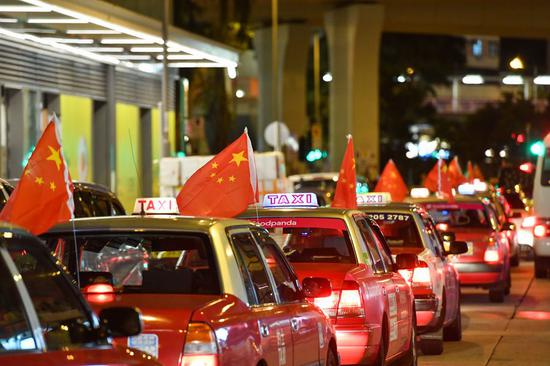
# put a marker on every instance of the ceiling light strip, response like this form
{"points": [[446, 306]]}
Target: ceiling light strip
{"points": [[91, 31], [22, 9], [56, 21]]}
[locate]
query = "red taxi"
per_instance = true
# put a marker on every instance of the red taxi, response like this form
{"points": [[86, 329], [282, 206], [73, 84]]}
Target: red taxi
{"points": [[371, 305], [409, 229], [212, 291], [486, 264], [45, 321]]}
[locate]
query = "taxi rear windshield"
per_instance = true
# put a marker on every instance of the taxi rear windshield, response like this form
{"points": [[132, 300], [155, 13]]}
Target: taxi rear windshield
{"points": [[181, 263], [461, 215], [311, 240], [399, 230]]}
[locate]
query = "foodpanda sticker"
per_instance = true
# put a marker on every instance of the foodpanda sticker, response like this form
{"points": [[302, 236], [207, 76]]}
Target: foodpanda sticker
{"points": [[321, 335], [281, 347], [393, 305]]}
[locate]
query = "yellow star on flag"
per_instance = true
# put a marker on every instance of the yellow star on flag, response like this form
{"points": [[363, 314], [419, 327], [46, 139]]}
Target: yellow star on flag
{"points": [[220, 180], [232, 179], [212, 175], [55, 157], [39, 180], [238, 158], [27, 172], [52, 186], [214, 165]]}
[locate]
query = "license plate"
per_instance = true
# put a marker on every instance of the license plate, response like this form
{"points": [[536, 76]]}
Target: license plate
{"points": [[148, 343]]}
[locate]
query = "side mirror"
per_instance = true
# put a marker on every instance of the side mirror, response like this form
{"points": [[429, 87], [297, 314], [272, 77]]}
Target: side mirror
{"points": [[458, 247], [121, 321], [508, 226], [316, 287], [406, 261]]}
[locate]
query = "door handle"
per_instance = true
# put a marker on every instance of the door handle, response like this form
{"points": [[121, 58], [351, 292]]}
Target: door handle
{"points": [[396, 289], [264, 330], [294, 324], [384, 291]]}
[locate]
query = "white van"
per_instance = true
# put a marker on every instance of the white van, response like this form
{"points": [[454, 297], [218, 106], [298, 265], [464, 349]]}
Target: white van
{"points": [[541, 210]]}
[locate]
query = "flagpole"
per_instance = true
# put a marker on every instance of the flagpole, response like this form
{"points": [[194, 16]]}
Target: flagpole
{"points": [[438, 174]]}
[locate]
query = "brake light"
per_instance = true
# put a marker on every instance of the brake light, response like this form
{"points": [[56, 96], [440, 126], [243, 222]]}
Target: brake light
{"points": [[419, 278], [529, 221], [351, 304], [491, 255], [99, 292], [329, 304], [442, 226], [200, 347], [540, 231]]}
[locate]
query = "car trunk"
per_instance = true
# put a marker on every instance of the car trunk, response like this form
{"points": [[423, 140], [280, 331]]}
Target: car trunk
{"points": [[477, 240], [334, 272], [164, 315]]}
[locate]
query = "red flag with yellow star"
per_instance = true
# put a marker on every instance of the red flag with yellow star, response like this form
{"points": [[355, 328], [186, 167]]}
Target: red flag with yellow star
{"points": [[224, 186], [392, 182], [44, 195], [345, 195], [455, 173]]}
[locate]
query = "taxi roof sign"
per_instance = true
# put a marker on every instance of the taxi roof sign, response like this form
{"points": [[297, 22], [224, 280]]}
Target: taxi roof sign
{"points": [[156, 206], [420, 192], [466, 189], [289, 200], [373, 198]]}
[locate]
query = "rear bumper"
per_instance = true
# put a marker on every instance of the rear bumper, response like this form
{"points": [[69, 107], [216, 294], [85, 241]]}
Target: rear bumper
{"points": [[355, 345], [427, 318], [479, 274]]}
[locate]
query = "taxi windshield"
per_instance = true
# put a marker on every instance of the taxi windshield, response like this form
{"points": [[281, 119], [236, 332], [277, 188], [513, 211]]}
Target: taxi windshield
{"points": [[461, 215], [311, 240], [144, 263], [399, 230]]}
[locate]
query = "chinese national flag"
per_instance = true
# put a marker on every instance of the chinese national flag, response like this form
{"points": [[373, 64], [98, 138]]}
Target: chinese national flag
{"points": [[44, 195], [392, 182], [455, 173], [345, 195], [471, 174], [477, 173], [438, 179], [223, 187]]}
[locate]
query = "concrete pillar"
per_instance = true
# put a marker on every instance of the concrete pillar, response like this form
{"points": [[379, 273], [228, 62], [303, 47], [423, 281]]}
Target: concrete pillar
{"points": [[294, 42], [354, 35]]}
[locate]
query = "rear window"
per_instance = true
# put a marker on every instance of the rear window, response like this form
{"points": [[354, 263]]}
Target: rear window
{"points": [[461, 215], [311, 240], [182, 263], [400, 230]]}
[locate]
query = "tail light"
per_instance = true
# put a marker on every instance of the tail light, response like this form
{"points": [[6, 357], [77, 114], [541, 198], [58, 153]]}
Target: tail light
{"points": [[420, 278], [200, 347], [442, 226], [346, 303], [491, 254], [540, 231], [99, 292], [529, 222]]}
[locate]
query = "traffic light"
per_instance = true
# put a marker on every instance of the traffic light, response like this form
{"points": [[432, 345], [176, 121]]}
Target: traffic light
{"points": [[537, 148]]}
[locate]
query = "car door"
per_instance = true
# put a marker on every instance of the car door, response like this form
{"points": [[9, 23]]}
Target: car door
{"points": [[403, 293], [273, 325], [384, 279], [305, 319]]}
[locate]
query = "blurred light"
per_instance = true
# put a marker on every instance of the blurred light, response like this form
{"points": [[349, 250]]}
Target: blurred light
{"points": [[401, 79], [150, 68], [180, 57], [527, 167], [473, 80], [420, 192], [126, 41], [133, 57], [442, 154], [8, 20], [314, 155], [146, 49], [239, 93], [411, 154], [231, 72], [92, 31], [517, 63], [537, 148], [512, 80], [409, 70], [327, 77], [502, 153], [520, 139], [70, 40], [102, 49], [180, 154], [489, 153], [542, 80], [23, 9]]}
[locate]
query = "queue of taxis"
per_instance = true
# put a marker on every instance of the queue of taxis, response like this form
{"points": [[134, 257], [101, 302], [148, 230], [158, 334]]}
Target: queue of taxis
{"points": [[486, 264], [211, 291], [45, 321], [409, 229], [371, 306]]}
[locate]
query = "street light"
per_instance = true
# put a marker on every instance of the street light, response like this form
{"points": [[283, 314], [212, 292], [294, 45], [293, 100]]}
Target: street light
{"points": [[517, 63]]}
